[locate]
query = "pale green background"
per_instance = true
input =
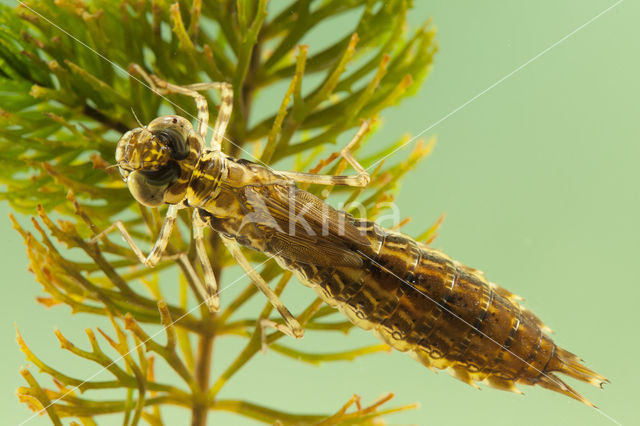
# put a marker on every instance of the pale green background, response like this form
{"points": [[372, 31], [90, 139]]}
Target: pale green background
{"points": [[539, 180]]}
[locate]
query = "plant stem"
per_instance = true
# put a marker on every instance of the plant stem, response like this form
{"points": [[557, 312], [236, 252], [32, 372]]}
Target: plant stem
{"points": [[200, 409]]}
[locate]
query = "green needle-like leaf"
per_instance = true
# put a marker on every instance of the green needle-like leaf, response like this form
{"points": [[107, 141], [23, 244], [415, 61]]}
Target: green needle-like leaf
{"points": [[68, 92]]}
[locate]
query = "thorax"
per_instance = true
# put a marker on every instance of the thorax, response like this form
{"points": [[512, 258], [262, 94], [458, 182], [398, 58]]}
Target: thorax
{"points": [[224, 189]]}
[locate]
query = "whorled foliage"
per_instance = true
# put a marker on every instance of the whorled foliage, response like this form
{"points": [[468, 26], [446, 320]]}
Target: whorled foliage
{"points": [[67, 97]]}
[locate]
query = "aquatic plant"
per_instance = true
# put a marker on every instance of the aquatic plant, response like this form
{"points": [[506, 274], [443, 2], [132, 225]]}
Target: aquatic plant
{"points": [[66, 99]]}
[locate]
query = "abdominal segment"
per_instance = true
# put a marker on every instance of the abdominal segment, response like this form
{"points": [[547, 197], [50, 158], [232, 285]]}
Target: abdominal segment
{"points": [[445, 314]]}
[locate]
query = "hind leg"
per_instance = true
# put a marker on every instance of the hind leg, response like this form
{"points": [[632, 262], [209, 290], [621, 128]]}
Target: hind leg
{"points": [[292, 326]]}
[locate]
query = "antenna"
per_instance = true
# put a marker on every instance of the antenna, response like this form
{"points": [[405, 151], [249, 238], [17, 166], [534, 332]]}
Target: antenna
{"points": [[136, 117]]}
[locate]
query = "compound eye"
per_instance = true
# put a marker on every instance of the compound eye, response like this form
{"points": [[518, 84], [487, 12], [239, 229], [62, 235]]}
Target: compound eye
{"points": [[149, 195], [148, 187], [175, 141]]}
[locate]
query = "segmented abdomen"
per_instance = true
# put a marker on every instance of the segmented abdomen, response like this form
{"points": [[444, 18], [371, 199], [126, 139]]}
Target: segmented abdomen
{"points": [[445, 314]]}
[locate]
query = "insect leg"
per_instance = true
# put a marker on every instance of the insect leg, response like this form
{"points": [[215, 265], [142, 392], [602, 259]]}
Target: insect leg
{"points": [[292, 326], [162, 87], [224, 113], [360, 180], [160, 245], [209, 289], [158, 253]]}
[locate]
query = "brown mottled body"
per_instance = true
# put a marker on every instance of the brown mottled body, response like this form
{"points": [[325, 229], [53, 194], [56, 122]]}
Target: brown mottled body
{"points": [[415, 298], [418, 300]]}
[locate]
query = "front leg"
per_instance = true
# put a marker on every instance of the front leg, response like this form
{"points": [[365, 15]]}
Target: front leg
{"points": [[292, 326], [158, 253], [163, 87], [160, 246]]}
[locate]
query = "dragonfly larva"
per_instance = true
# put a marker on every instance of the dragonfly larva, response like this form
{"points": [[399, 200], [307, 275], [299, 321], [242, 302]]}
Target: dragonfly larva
{"points": [[415, 298]]}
